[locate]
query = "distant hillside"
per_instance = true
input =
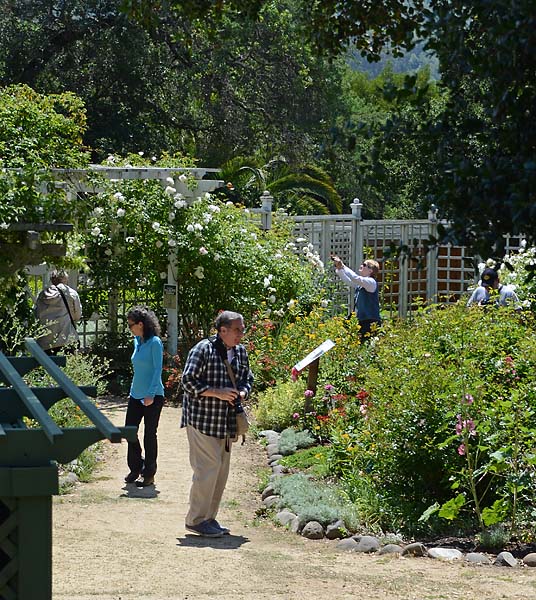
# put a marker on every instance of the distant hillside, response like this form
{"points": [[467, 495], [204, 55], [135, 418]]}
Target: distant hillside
{"points": [[412, 61]]}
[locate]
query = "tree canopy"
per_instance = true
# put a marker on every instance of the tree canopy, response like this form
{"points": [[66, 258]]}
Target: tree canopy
{"points": [[485, 135]]}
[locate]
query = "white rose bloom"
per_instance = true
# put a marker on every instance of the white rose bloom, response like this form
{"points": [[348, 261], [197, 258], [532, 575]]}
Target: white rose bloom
{"points": [[163, 275], [490, 263], [217, 256], [279, 312], [324, 303], [170, 190], [246, 211], [179, 204], [172, 243], [153, 158], [214, 208], [203, 250], [278, 255], [268, 312], [291, 303], [95, 231], [119, 196], [171, 216], [229, 203], [156, 226], [170, 181], [272, 290], [183, 178], [178, 196], [4, 225], [190, 228], [200, 273], [111, 159], [198, 227], [130, 240], [207, 217], [108, 252], [207, 196], [267, 281], [253, 235], [271, 299], [159, 244], [98, 211], [121, 212], [141, 153]]}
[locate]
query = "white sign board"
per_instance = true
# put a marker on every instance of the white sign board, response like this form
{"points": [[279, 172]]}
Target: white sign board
{"points": [[312, 356]]}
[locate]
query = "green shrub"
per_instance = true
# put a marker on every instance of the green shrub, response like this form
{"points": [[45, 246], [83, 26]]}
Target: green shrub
{"points": [[448, 419], [290, 440], [313, 501], [275, 406], [310, 460]]}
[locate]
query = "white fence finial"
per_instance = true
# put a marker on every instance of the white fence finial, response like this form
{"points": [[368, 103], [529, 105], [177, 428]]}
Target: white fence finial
{"points": [[266, 210], [356, 207]]}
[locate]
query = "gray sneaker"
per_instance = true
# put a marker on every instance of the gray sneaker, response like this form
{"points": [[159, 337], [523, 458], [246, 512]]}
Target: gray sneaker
{"points": [[205, 529], [214, 523]]}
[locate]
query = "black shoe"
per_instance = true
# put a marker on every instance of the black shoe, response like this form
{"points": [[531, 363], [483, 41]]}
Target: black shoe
{"points": [[145, 482], [131, 477]]}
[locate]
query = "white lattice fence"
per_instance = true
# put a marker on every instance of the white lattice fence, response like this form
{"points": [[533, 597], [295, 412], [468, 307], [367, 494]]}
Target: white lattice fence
{"points": [[416, 276]]}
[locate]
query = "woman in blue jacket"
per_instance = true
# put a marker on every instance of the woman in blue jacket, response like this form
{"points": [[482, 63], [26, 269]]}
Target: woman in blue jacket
{"points": [[146, 393]]}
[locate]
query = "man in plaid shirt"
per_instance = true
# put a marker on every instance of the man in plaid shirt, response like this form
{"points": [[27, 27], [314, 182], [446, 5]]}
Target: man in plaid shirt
{"points": [[209, 415]]}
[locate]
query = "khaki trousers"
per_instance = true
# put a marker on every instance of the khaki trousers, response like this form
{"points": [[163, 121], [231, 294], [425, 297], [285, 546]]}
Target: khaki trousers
{"points": [[210, 463]]}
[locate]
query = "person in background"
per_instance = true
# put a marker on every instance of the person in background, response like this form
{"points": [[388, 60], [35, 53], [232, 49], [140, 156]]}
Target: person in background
{"points": [[366, 299], [146, 394], [490, 291], [58, 307], [210, 403]]}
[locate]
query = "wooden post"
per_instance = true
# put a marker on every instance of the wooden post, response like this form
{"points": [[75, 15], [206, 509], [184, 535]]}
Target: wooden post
{"points": [[312, 378]]}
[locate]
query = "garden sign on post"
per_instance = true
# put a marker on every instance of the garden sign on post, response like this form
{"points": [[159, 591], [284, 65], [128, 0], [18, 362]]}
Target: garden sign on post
{"points": [[312, 360], [29, 471]]}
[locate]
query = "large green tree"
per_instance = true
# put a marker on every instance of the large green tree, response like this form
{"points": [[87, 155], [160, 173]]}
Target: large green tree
{"points": [[212, 88], [486, 135]]}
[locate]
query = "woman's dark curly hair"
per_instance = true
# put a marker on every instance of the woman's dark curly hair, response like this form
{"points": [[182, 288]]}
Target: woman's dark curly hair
{"points": [[144, 315]]}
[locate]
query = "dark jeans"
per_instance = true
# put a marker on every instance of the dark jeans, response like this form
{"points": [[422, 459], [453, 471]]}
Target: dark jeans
{"points": [[137, 411]]}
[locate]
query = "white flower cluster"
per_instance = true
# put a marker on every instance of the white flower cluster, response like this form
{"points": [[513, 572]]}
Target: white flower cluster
{"points": [[522, 263]]}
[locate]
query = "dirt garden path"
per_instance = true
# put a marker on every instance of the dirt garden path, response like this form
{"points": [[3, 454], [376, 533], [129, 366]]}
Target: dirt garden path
{"points": [[112, 542]]}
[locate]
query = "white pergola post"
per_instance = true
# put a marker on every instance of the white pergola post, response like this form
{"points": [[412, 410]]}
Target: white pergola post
{"points": [[203, 186]]}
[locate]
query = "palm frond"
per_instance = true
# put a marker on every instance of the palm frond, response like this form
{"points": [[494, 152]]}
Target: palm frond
{"points": [[323, 192]]}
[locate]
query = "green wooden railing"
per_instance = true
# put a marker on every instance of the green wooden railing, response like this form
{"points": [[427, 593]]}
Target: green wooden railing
{"points": [[28, 467]]}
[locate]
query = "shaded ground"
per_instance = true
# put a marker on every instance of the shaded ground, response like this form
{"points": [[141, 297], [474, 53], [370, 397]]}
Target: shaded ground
{"points": [[116, 542]]}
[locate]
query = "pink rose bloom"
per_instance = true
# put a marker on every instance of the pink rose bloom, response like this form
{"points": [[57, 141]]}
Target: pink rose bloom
{"points": [[296, 416], [309, 393], [461, 449]]}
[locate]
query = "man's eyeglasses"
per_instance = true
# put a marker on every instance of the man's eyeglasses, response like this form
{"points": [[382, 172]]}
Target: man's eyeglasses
{"points": [[241, 330], [130, 325]]}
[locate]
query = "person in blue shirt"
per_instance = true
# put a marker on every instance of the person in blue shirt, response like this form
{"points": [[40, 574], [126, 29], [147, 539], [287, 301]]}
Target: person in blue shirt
{"points": [[146, 394], [366, 299]]}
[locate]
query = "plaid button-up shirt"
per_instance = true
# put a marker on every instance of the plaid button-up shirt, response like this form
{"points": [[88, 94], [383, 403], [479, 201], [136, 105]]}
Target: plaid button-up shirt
{"points": [[204, 370]]}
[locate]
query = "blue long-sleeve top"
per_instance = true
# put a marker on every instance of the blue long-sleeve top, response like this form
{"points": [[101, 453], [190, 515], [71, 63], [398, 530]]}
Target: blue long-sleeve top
{"points": [[147, 360]]}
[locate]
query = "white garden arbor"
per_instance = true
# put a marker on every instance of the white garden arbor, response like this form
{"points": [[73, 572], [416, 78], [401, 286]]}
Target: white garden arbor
{"points": [[79, 181]]}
